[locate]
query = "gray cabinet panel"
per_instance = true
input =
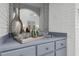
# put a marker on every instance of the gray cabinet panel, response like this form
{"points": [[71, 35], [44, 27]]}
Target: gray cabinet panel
{"points": [[61, 52], [29, 51], [60, 44], [45, 48]]}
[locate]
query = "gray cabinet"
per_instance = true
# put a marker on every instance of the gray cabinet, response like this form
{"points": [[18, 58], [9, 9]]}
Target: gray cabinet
{"points": [[60, 44], [45, 48], [29, 51], [48, 48], [61, 48], [61, 52]]}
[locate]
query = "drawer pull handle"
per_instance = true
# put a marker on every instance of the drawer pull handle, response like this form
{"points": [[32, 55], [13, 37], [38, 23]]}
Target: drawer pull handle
{"points": [[62, 44], [47, 48]]}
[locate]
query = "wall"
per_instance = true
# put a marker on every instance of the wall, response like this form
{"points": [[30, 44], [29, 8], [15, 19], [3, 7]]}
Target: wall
{"points": [[4, 18], [44, 17], [77, 29], [62, 19]]}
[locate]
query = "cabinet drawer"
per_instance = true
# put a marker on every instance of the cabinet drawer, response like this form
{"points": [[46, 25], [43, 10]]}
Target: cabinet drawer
{"points": [[61, 52], [60, 44], [45, 48], [29, 51]]}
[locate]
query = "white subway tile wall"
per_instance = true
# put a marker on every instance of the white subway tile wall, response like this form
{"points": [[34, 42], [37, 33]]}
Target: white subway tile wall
{"points": [[62, 19], [4, 18]]}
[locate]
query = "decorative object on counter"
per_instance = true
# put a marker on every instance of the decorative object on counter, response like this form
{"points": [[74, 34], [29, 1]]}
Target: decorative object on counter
{"points": [[24, 32], [28, 29], [22, 36], [27, 40], [35, 31], [16, 24], [24, 28]]}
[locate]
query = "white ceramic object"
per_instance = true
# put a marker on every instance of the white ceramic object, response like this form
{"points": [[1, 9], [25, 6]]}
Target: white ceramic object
{"points": [[16, 24]]}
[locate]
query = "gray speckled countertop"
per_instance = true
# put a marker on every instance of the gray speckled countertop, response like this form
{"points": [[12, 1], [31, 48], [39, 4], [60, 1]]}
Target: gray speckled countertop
{"points": [[7, 43]]}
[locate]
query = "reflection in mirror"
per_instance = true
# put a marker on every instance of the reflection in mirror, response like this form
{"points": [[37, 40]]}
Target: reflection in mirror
{"points": [[29, 17]]}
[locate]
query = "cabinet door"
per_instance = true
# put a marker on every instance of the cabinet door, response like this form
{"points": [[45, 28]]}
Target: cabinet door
{"points": [[29, 51], [61, 52], [45, 48]]}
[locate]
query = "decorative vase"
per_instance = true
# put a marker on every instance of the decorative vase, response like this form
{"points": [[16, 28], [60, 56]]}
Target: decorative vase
{"points": [[16, 24]]}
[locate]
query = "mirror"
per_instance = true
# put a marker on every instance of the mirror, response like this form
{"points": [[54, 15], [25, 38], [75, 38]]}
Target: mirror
{"points": [[29, 17]]}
